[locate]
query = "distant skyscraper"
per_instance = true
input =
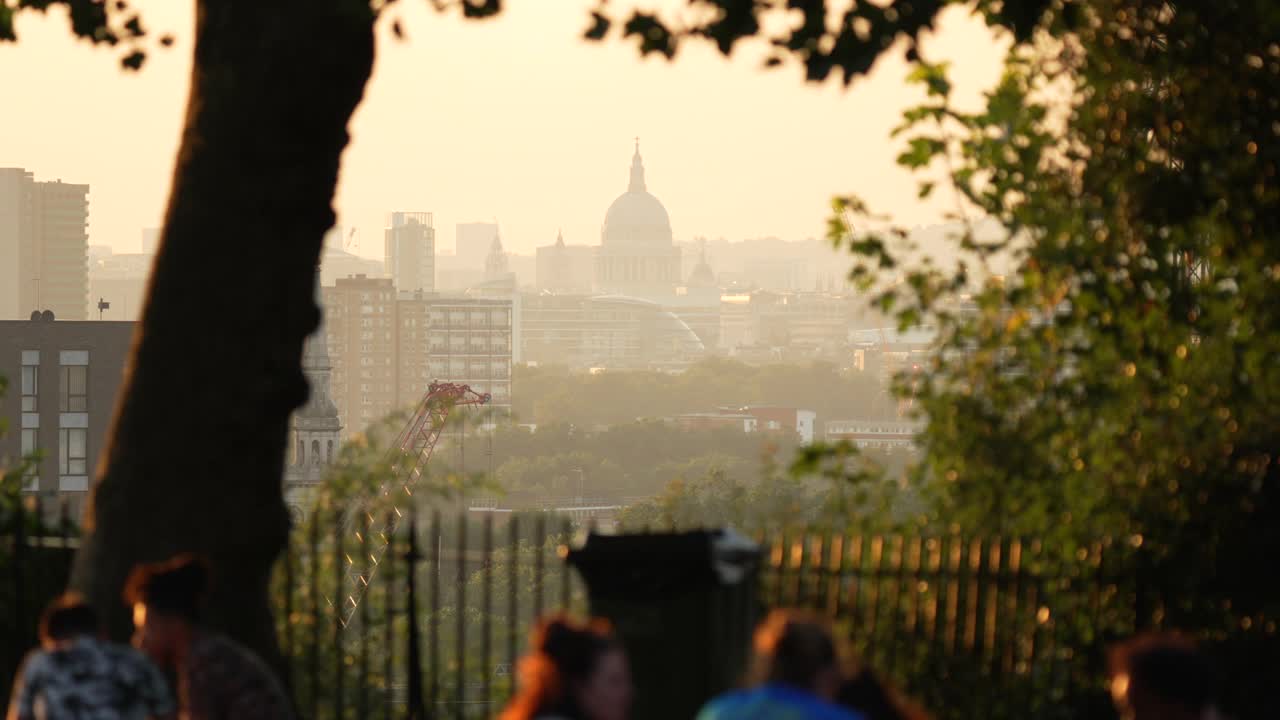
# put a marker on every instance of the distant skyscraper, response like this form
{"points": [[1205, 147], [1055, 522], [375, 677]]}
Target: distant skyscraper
{"points": [[44, 247], [411, 251], [472, 242]]}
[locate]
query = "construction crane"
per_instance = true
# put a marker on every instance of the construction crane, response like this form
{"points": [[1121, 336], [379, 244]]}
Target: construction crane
{"points": [[408, 457]]}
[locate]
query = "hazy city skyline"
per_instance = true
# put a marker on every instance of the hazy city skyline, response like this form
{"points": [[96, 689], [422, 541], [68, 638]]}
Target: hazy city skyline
{"points": [[539, 140]]}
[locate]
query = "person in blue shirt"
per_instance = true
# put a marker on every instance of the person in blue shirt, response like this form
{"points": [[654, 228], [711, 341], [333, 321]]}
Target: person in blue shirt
{"points": [[797, 675]]}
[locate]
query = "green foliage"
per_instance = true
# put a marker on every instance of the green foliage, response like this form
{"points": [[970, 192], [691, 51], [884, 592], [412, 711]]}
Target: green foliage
{"points": [[1120, 384], [554, 395], [626, 460], [717, 491]]}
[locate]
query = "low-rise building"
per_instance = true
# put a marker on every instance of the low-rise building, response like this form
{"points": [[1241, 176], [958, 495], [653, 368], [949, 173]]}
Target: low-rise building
{"points": [[605, 331], [723, 418], [64, 377], [754, 418], [772, 418], [874, 434]]}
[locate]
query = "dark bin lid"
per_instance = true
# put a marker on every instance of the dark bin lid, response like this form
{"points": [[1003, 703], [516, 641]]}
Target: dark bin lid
{"points": [[663, 563]]}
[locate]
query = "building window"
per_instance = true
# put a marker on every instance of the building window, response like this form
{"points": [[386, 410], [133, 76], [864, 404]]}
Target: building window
{"points": [[73, 451], [30, 387], [74, 392], [328, 454], [31, 445], [315, 452]]}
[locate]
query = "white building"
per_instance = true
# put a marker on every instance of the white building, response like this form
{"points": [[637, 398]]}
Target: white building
{"points": [[875, 434]]}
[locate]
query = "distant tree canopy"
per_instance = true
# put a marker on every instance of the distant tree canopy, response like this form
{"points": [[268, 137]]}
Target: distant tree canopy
{"points": [[553, 394], [633, 459]]}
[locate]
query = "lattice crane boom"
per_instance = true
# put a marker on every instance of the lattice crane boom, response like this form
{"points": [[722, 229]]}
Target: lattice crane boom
{"points": [[409, 455]]}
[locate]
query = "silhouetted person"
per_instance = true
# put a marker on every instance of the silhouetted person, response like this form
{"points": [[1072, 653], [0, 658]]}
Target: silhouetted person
{"points": [[217, 678], [797, 675], [574, 671], [1162, 677], [866, 693], [76, 674]]}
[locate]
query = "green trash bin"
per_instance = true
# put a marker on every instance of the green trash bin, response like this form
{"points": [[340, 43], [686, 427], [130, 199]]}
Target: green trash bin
{"points": [[684, 606]]}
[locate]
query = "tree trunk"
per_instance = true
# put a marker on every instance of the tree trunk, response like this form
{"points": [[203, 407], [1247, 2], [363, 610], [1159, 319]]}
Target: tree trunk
{"points": [[195, 456]]}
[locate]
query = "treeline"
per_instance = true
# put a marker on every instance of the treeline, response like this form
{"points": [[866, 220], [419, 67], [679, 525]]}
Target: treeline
{"points": [[552, 394], [632, 459]]}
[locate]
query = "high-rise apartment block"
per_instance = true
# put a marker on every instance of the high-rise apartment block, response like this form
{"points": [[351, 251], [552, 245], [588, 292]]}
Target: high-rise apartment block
{"points": [[44, 247], [411, 251], [386, 346]]}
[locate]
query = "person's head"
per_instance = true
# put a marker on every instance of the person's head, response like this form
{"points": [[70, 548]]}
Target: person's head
{"points": [[574, 670], [66, 618], [166, 598], [795, 649], [1161, 676]]}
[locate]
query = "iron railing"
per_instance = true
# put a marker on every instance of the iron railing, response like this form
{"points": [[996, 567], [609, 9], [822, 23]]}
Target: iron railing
{"points": [[441, 625]]}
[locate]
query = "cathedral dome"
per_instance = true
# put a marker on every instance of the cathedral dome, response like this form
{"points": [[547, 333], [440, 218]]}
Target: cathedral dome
{"points": [[637, 217]]}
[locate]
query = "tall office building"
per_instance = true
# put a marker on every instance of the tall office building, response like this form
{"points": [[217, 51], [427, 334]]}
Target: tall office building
{"points": [[472, 241], [411, 251], [44, 247]]}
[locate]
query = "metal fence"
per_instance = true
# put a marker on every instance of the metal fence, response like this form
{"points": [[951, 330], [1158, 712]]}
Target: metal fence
{"points": [[1003, 628], [971, 626], [420, 615]]}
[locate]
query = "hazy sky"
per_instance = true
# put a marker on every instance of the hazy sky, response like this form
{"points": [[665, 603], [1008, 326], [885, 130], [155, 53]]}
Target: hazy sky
{"points": [[515, 119]]}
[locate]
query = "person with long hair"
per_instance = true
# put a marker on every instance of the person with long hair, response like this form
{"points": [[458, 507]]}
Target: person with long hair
{"points": [[573, 671]]}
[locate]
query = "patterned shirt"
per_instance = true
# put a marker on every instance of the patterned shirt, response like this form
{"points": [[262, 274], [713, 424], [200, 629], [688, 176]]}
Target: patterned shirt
{"points": [[89, 679], [223, 680]]}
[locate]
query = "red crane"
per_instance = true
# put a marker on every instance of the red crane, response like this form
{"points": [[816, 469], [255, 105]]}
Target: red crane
{"points": [[408, 457]]}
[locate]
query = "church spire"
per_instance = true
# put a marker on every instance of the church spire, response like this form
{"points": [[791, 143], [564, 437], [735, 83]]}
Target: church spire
{"points": [[637, 171], [495, 265]]}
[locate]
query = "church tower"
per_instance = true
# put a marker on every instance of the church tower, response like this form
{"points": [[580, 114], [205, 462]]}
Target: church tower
{"points": [[315, 431], [496, 265]]}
